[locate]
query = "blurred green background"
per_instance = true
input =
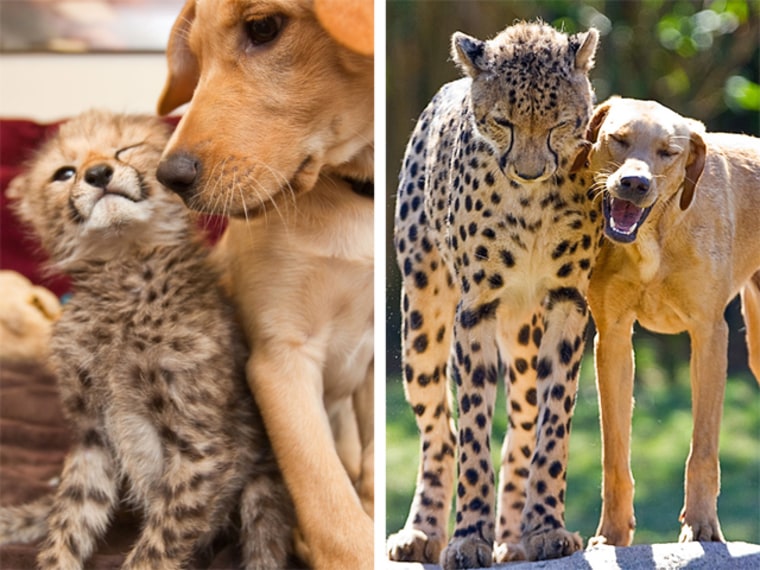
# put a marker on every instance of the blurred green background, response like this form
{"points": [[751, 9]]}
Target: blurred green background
{"points": [[702, 59]]}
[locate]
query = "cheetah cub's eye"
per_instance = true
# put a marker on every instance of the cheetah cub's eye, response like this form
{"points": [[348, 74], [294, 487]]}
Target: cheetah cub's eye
{"points": [[264, 30], [64, 173]]}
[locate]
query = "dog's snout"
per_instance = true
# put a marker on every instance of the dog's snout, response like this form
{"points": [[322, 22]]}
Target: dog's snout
{"points": [[179, 172], [635, 184], [99, 175]]}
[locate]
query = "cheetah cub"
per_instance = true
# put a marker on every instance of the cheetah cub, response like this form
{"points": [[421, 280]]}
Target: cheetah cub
{"points": [[150, 363], [495, 234]]}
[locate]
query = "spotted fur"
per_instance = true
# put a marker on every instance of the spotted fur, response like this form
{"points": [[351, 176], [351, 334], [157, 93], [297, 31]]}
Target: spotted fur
{"points": [[496, 233], [150, 363]]}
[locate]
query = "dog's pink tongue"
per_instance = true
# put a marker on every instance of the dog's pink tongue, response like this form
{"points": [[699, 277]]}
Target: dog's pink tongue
{"points": [[625, 215]]}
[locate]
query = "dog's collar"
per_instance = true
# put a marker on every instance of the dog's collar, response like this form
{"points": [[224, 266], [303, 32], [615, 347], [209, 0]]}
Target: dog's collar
{"points": [[362, 187]]}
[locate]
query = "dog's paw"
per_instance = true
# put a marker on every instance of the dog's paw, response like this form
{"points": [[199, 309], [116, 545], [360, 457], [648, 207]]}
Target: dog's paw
{"points": [[619, 534], [700, 529], [548, 544], [412, 545], [469, 552]]}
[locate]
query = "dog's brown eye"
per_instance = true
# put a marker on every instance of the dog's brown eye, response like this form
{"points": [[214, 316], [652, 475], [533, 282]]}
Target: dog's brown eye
{"points": [[264, 30], [666, 153], [64, 173], [621, 141]]}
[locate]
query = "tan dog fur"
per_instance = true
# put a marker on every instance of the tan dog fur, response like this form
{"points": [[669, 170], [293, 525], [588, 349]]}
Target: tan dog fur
{"points": [[274, 131], [698, 248], [27, 314]]}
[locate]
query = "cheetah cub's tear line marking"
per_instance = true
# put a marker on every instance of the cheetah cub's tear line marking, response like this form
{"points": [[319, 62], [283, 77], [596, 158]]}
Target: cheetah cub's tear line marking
{"points": [[496, 234]]}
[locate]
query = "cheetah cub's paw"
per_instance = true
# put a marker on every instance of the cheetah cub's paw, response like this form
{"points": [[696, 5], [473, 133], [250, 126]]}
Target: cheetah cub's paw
{"points": [[413, 545], [548, 544], [469, 552]]}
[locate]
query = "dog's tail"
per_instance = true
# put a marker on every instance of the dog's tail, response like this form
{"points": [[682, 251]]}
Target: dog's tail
{"points": [[751, 309], [25, 523]]}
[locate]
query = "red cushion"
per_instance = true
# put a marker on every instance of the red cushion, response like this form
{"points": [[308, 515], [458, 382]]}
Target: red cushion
{"points": [[19, 251]]}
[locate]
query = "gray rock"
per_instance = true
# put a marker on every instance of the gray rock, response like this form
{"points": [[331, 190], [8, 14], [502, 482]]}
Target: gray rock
{"points": [[671, 556]]}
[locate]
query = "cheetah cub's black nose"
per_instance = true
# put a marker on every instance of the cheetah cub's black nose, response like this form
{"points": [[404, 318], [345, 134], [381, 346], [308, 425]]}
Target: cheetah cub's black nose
{"points": [[179, 172], [99, 176]]}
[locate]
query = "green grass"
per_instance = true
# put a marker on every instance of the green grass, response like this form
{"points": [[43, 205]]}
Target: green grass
{"points": [[662, 427]]}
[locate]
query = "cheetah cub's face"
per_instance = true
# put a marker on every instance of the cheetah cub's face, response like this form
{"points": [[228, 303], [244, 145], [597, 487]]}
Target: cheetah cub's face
{"points": [[534, 116], [92, 187]]}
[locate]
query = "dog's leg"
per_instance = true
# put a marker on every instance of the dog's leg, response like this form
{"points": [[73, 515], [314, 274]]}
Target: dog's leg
{"points": [[364, 405], [751, 310], [475, 377], [518, 350], [427, 326], [709, 362], [346, 434], [613, 356], [286, 380]]}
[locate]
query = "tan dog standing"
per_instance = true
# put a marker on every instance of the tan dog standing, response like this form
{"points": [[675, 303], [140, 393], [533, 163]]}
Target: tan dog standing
{"points": [[279, 136], [681, 209]]}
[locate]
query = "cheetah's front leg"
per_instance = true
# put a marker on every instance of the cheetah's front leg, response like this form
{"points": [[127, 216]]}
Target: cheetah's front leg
{"points": [[557, 370], [429, 301], [181, 511], [83, 505], [518, 342], [475, 371]]}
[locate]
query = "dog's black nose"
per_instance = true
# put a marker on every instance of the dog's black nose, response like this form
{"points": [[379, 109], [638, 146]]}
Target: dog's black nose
{"points": [[635, 184], [99, 175], [179, 172]]}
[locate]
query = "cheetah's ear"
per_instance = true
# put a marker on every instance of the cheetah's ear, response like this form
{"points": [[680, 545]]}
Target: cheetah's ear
{"points": [[585, 48], [14, 192], [468, 53]]}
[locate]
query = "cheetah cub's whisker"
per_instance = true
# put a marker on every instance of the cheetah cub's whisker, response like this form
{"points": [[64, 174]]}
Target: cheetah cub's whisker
{"points": [[496, 231], [150, 363]]}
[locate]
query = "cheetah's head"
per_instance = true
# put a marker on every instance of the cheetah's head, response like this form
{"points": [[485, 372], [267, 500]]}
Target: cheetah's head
{"points": [[91, 189], [531, 98]]}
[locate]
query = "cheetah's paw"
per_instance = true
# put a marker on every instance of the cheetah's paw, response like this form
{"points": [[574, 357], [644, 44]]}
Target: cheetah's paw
{"points": [[413, 545], [469, 552], [548, 544]]}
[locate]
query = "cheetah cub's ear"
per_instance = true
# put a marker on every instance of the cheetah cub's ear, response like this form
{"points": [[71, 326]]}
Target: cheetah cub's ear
{"points": [[584, 45], [469, 54]]}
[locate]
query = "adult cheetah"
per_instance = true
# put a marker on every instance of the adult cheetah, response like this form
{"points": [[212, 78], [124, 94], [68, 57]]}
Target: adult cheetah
{"points": [[496, 233]]}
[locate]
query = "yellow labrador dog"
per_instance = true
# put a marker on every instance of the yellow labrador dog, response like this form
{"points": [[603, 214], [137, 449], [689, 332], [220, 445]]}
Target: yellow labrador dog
{"points": [[279, 137], [680, 208]]}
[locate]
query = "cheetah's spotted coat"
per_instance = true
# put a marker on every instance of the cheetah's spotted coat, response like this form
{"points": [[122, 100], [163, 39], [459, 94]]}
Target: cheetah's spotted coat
{"points": [[150, 364], [495, 235]]}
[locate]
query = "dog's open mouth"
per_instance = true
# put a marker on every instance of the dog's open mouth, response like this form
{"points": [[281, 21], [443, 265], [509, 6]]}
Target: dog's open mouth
{"points": [[623, 218]]}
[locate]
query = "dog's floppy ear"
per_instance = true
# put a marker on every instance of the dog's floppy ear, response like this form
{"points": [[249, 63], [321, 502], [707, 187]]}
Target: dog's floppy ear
{"points": [[694, 165], [350, 22], [592, 132], [600, 114], [183, 66]]}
